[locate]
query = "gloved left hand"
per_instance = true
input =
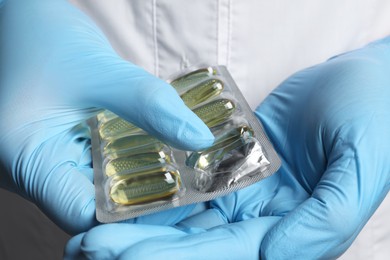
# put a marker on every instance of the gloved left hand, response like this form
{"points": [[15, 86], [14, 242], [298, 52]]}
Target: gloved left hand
{"points": [[57, 69], [230, 229], [330, 124]]}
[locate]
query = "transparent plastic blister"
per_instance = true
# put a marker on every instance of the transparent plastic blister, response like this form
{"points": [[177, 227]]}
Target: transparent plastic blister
{"points": [[137, 174]]}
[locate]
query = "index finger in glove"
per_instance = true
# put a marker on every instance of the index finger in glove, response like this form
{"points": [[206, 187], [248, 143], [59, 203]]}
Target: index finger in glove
{"points": [[63, 189], [133, 94]]}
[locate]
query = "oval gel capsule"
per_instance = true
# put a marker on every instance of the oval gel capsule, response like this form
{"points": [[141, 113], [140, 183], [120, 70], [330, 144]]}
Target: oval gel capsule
{"points": [[202, 92], [131, 145], [145, 187], [222, 145], [105, 116], [216, 112], [116, 128], [182, 83], [124, 165]]}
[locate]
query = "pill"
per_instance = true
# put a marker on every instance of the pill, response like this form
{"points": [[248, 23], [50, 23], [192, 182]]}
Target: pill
{"points": [[132, 144], [202, 92], [215, 112], [124, 165], [105, 116], [222, 145], [117, 127], [147, 186], [182, 83]]}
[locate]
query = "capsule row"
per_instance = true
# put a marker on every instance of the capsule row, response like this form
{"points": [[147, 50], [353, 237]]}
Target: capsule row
{"points": [[113, 127]]}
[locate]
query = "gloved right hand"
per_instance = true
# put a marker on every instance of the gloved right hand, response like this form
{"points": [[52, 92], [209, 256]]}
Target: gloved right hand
{"points": [[56, 70]]}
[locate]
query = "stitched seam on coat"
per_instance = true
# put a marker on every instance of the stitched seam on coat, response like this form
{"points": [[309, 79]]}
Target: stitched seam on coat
{"points": [[218, 38], [156, 61], [229, 32]]}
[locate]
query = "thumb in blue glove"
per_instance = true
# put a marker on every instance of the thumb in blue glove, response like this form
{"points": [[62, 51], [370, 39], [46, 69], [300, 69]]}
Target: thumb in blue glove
{"points": [[57, 70]]}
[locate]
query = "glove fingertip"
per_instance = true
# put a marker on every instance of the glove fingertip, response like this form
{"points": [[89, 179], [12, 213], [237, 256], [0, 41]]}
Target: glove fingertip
{"points": [[72, 249], [169, 119], [192, 135]]}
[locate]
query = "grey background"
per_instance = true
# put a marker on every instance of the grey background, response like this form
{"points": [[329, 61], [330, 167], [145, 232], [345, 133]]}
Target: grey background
{"points": [[25, 232]]}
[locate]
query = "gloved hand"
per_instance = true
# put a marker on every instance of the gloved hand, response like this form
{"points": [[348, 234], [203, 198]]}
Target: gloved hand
{"points": [[230, 229], [56, 70], [330, 124]]}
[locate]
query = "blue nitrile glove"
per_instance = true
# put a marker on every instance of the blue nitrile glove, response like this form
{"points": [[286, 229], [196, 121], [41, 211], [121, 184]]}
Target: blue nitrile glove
{"points": [[57, 70], [331, 126], [230, 229]]}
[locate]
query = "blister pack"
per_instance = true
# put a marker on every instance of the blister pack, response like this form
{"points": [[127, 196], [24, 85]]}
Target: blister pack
{"points": [[136, 174]]}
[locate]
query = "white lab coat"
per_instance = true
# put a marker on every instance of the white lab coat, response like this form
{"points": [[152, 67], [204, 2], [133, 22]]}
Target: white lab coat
{"points": [[261, 42]]}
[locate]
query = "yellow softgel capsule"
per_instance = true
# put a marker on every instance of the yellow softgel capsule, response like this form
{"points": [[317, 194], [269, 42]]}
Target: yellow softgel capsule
{"points": [[131, 145], [147, 186], [222, 145], [117, 127], [202, 92], [124, 165], [105, 116], [183, 82], [215, 112]]}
